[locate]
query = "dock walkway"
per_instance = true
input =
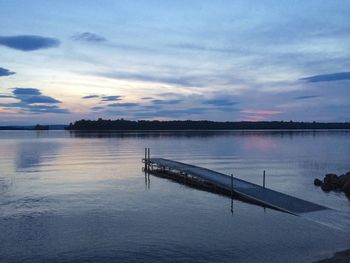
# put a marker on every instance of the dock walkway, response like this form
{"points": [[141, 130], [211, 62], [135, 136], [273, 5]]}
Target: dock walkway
{"points": [[248, 190], [266, 197]]}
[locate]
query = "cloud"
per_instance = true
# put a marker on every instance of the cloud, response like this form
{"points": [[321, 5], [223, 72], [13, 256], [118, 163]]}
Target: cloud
{"points": [[253, 118], [97, 108], [180, 81], [5, 72], [146, 98], [103, 97], [35, 108], [165, 102], [32, 95], [90, 97], [261, 112], [126, 104], [177, 76], [5, 96], [28, 42], [38, 99], [227, 109], [171, 113], [151, 107], [26, 91], [45, 109], [306, 97], [31, 100], [168, 94], [111, 98], [88, 37], [196, 47], [328, 77], [220, 102]]}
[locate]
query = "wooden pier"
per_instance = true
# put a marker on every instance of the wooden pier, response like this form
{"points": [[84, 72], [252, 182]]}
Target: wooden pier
{"points": [[254, 193]]}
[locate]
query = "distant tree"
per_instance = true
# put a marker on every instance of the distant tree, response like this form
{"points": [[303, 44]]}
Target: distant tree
{"points": [[41, 127]]}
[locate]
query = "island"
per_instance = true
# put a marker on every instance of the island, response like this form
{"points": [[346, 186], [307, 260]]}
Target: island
{"points": [[125, 125]]}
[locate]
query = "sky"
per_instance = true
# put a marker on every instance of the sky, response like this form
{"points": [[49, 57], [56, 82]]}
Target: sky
{"points": [[62, 61]]}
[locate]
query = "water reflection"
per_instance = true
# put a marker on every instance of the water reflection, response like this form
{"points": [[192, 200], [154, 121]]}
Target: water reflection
{"points": [[30, 155], [145, 134], [3, 185], [147, 179], [232, 206], [210, 133], [260, 143]]}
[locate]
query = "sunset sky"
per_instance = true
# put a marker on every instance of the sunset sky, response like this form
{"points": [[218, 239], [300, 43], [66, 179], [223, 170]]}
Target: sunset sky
{"points": [[62, 61]]}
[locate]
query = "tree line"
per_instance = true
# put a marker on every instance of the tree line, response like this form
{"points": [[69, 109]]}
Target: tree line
{"points": [[123, 125]]}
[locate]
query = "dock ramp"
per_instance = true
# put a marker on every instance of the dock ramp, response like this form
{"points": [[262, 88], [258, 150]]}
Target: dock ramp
{"points": [[256, 193]]}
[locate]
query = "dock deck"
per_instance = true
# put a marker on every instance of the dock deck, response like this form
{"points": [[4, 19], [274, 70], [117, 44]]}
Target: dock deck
{"points": [[255, 192], [339, 220]]}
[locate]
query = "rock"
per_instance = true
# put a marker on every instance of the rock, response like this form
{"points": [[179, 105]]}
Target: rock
{"points": [[332, 179], [332, 182], [344, 178], [326, 187], [317, 182], [348, 196], [346, 188]]}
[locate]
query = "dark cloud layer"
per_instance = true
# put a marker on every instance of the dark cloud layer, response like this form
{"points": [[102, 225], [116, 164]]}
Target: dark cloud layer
{"points": [[111, 98], [26, 91], [32, 95], [38, 99], [31, 100], [328, 77], [126, 104], [306, 97], [104, 97], [165, 102], [28, 42], [5, 72], [220, 102], [45, 109], [90, 97], [88, 37], [97, 108]]}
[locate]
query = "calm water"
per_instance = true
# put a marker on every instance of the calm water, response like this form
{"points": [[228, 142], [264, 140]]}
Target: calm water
{"points": [[67, 197]]}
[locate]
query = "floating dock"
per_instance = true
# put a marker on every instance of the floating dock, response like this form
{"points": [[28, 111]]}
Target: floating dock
{"points": [[252, 192]]}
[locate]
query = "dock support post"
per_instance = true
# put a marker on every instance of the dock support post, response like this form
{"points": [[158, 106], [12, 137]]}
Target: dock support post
{"points": [[264, 179], [145, 159], [231, 206], [232, 194], [231, 186], [148, 157]]}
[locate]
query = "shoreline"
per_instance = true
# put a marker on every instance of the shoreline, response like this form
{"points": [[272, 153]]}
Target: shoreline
{"points": [[338, 257]]}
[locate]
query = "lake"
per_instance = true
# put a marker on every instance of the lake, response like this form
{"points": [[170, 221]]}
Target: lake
{"points": [[81, 197]]}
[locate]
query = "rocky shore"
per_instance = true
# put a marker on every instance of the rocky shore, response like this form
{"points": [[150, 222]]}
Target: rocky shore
{"points": [[333, 182], [341, 183]]}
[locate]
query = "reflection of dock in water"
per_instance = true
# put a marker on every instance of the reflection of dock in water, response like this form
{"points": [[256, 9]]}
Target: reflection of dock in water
{"points": [[213, 181]]}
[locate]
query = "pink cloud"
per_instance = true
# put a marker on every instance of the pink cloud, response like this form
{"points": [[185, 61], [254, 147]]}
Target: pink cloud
{"points": [[261, 112], [253, 118]]}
